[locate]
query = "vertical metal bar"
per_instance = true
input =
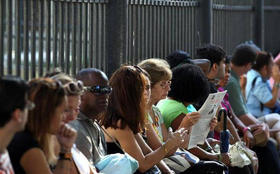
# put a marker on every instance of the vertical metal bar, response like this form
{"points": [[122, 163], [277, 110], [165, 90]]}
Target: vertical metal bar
{"points": [[33, 38], [192, 31], [48, 34], [146, 29], [73, 19], [179, 36], [139, 35], [2, 30], [61, 35], [90, 57], [150, 25], [85, 36], [98, 32], [18, 20], [26, 39], [154, 27], [10, 37], [67, 41], [129, 35], [79, 35], [94, 36], [55, 31], [133, 34], [41, 37], [259, 23], [104, 55]]}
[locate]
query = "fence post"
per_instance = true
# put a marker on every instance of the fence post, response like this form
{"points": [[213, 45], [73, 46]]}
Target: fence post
{"points": [[116, 15], [259, 23], [205, 22]]}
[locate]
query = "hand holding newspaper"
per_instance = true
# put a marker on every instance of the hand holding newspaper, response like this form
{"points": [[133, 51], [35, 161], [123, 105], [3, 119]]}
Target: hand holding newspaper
{"points": [[208, 110]]}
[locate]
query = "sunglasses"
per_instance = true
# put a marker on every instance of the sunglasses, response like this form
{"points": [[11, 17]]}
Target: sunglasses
{"points": [[74, 88], [29, 105], [99, 90]]}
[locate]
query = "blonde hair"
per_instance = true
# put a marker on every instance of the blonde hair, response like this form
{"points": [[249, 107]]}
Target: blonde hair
{"points": [[158, 69]]}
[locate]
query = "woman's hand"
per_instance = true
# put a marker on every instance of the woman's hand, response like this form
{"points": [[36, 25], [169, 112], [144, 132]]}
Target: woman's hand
{"points": [[177, 138], [190, 119], [66, 137]]}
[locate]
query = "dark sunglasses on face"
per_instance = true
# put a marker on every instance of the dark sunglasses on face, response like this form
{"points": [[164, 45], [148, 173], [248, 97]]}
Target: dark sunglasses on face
{"points": [[99, 90]]}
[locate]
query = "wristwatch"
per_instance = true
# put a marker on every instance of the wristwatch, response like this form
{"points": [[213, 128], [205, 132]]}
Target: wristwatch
{"points": [[65, 156]]}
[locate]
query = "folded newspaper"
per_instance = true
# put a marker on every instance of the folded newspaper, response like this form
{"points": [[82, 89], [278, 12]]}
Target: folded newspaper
{"points": [[208, 110]]}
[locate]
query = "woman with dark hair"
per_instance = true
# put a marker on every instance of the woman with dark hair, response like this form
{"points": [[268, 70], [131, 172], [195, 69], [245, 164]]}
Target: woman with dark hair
{"points": [[125, 119], [32, 151], [262, 101], [188, 85]]}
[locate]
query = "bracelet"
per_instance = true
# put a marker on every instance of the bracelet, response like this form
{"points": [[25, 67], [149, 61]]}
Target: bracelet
{"points": [[277, 85], [165, 148], [219, 157], [65, 156], [245, 129]]}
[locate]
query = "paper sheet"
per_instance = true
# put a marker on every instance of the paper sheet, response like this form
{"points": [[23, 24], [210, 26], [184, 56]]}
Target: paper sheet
{"points": [[208, 110]]}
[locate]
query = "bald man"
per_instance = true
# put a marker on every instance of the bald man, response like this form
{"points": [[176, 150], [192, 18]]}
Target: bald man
{"points": [[94, 101]]}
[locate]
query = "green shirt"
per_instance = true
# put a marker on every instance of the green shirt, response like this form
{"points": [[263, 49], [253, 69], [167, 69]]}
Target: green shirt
{"points": [[236, 98], [171, 109]]}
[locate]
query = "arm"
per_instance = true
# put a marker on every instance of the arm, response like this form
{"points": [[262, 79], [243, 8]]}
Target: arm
{"points": [[140, 150], [40, 165], [154, 141], [163, 167]]}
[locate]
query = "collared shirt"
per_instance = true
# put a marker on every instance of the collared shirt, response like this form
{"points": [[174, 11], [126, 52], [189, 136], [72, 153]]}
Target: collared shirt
{"points": [[236, 98], [90, 140], [260, 93]]}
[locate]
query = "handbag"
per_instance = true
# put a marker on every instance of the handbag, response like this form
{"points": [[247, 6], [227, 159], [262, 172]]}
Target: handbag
{"points": [[237, 154], [117, 163], [181, 160], [260, 139]]}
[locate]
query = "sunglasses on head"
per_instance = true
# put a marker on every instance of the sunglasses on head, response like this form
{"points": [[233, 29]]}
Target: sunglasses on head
{"points": [[74, 87], [99, 90]]}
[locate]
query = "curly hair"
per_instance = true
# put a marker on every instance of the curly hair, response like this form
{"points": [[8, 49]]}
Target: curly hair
{"points": [[189, 84]]}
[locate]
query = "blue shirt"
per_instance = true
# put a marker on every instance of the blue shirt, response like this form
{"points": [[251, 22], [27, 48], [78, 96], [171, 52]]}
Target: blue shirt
{"points": [[260, 93]]}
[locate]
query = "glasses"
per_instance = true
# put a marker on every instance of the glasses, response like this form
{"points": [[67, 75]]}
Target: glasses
{"points": [[165, 84], [99, 90], [29, 105], [74, 87]]}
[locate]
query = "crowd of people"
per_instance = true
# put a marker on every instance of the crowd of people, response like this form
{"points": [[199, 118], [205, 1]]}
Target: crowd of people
{"points": [[141, 119]]}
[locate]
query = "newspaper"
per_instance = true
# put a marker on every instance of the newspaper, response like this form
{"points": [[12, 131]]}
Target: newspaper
{"points": [[208, 110]]}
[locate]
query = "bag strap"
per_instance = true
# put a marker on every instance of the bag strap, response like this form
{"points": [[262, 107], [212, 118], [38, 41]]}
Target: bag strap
{"points": [[112, 138], [253, 85]]}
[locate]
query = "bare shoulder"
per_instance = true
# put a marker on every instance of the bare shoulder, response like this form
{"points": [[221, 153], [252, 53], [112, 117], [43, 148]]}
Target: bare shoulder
{"points": [[39, 163]]}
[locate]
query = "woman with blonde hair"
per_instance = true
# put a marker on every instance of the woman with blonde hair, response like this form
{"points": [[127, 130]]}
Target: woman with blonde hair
{"points": [[32, 150], [74, 89]]}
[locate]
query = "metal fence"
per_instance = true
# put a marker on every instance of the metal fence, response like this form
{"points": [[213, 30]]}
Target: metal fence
{"points": [[38, 35]]}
